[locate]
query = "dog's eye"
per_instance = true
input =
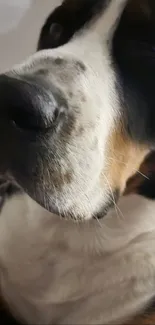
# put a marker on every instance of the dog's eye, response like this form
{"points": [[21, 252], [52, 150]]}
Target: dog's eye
{"points": [[56, 31], [51, 37]]}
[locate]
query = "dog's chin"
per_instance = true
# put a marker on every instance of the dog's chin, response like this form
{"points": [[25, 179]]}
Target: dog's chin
{"points": [[54, 205], [9, 187], [70, 215]]}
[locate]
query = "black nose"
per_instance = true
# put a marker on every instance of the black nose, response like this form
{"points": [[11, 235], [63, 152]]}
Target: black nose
{"points": [[29, 104]]}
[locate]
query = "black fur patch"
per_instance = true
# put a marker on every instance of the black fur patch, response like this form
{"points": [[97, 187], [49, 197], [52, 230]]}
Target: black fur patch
{"points": [[147, 188], [7, 319], [134, 54], [67, 19]]}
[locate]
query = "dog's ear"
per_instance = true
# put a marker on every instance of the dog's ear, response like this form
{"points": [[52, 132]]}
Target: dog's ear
{"points": [[134, 51], [140, 49], [143, 182]]}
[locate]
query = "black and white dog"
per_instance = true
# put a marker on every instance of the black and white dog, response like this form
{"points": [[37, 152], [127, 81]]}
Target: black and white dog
{"points": [[76, 122]]}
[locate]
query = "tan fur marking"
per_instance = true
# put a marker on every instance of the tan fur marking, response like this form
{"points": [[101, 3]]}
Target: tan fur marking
{"points": [[124, 159], [146, 320]]}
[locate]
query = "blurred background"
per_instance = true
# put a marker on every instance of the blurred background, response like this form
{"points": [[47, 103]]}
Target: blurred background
{"points": [[20, 24]]}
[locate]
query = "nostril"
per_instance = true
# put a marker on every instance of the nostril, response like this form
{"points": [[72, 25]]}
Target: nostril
{"points": [[26, 121], [29, 113], [29, 105], [32, 122]]}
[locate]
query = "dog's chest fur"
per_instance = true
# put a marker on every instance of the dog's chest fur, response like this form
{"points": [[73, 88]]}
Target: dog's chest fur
{"points": [[57, 272]]}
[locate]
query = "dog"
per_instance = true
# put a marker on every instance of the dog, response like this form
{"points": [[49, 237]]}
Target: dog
{"points": [[76, 123]]}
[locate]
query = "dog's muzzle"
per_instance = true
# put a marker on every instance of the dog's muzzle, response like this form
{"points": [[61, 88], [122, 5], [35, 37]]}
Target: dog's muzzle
{"points": [[29, 112]]}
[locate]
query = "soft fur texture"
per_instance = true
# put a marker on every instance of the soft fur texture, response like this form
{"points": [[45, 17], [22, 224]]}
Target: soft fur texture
{"points": [[65, 273], [74, 157]]}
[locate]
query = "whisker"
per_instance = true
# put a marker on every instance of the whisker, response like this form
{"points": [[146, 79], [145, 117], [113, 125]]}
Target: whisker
{"points": [[143, 175], [113, 199], [125, 164], [101, 226]]}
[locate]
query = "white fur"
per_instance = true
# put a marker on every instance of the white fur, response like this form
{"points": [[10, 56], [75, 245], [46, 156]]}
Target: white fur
{"points": [[54, 271], [57, 271]]}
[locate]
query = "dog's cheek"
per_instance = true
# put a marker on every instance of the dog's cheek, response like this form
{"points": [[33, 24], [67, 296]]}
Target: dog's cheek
{"points": [[124, 159]]}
